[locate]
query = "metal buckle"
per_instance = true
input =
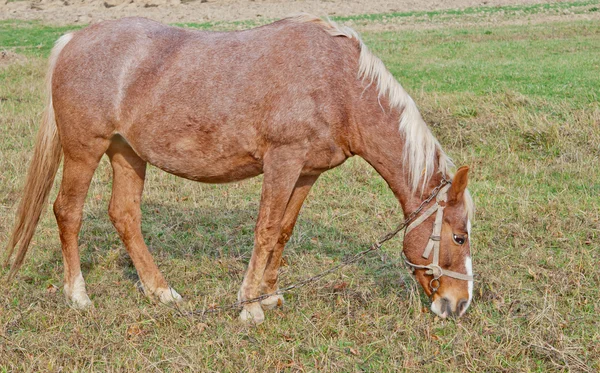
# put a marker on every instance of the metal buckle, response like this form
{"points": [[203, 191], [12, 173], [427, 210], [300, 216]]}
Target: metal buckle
{"points": [[435, 270], [434, 288]]}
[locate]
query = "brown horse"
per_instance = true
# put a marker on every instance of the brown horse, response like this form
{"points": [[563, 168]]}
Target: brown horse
{"points": [[290, 100]]}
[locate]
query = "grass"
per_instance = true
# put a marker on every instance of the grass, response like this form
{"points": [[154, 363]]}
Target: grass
{"points": [[470, 14], [459, 60], [482, 10], [30, 37], [517, 103]]}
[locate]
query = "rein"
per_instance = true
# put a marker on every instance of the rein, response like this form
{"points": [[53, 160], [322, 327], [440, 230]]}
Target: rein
{"points": [[409, 223], [433, 244]]}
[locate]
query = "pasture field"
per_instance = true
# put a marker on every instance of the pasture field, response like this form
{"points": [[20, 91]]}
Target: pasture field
{"points": [[517, 101]]}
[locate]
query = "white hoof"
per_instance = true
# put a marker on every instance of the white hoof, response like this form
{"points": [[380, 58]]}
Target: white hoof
{"points": [[81, 301], [252, 314], [76, 294], [168, 296], [272, 302]]}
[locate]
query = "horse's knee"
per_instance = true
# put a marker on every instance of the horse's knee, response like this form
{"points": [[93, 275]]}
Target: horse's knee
{"points": [[266, 237], [121, 215]]}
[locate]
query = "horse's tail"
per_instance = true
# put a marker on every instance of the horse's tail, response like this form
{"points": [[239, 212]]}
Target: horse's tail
{"points": [[41, 174]]}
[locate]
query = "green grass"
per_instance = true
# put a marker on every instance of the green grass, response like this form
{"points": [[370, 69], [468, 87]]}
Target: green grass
{"points": [[490, 60], [517, 103], [520, 10], [30, 37]]}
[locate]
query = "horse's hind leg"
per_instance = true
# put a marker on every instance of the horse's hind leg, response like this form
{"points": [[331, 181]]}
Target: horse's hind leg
{"points": [[78, 169], [269, 281], [129, 172]]}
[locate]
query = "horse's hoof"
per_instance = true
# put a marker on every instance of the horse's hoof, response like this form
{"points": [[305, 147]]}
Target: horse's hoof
{"points": [[76, 294], [272, 302], [252, 314], [168, 296], [80, 301]]}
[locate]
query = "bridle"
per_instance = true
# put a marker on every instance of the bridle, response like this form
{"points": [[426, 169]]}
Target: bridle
{"points": [[433, 244]]}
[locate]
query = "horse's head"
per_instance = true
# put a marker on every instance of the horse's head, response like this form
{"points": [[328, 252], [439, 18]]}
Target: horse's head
{"points": [[438, 248]]}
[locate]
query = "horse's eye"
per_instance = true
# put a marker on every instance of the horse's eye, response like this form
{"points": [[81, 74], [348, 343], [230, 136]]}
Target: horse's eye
{"points": [[459, 240]]}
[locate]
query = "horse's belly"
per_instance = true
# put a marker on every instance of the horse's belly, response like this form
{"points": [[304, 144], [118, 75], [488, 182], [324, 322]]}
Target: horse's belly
{"points": [[210, 170], [209, 162]]}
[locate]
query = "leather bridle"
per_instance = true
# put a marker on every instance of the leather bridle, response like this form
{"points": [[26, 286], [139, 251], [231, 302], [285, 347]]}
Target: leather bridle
{"points": [[433, 244]]}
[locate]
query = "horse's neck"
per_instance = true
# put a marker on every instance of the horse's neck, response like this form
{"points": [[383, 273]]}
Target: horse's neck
{"points": [[382, 145]]}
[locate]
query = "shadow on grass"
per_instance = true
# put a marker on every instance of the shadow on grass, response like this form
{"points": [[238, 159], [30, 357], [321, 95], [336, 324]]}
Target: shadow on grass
{"points": [[175, 233]]}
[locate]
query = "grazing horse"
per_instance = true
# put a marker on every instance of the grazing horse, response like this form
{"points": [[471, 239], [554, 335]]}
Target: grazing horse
{"points": [[289, 100]]}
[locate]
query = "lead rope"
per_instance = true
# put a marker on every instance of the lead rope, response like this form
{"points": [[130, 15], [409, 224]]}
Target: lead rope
{"points": [[375, 246]]}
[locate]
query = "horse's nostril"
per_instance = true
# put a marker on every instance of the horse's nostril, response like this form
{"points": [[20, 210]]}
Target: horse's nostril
{"points": [[462, 306], [445, 306]]}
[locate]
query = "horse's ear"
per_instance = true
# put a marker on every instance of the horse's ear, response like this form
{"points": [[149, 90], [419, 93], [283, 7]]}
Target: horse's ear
{"points": [[459, 184]]}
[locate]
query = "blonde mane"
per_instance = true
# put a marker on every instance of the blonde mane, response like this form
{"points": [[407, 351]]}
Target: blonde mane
{"points": [[421, 149]]}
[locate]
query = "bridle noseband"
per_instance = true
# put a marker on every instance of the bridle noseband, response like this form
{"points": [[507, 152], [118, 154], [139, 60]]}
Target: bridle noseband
{"points": [[433, 244]]}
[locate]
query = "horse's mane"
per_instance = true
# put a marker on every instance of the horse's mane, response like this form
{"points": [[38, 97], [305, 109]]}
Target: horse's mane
{"points": [[421, 149]]}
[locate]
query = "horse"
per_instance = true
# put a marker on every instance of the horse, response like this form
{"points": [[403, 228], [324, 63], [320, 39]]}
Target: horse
{"points": [[289, 100]]}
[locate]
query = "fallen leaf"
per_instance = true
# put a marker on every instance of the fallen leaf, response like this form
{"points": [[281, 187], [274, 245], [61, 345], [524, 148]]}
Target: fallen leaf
{"points": [[290, 365], [51, 289], [354, 352], [201, 326], [134, 330], [340, 286]]}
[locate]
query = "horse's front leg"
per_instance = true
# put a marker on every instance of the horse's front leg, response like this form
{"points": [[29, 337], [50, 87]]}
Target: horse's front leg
{"points": [[269, 281], [282, 167]]}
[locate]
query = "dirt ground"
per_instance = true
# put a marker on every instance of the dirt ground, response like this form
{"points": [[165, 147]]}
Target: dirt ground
{"points": [[86, 11]]}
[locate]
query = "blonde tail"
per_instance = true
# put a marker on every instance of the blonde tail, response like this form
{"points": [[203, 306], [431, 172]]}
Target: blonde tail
{"points": [[42, 171]]}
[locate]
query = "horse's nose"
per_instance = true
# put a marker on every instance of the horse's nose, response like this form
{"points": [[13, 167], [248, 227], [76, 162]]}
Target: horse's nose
{"points": [[449, 307], [446, 307]]}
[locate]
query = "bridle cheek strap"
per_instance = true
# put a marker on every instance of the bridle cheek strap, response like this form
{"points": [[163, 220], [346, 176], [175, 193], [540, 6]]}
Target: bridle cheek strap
{"points": [[433, 245]]}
